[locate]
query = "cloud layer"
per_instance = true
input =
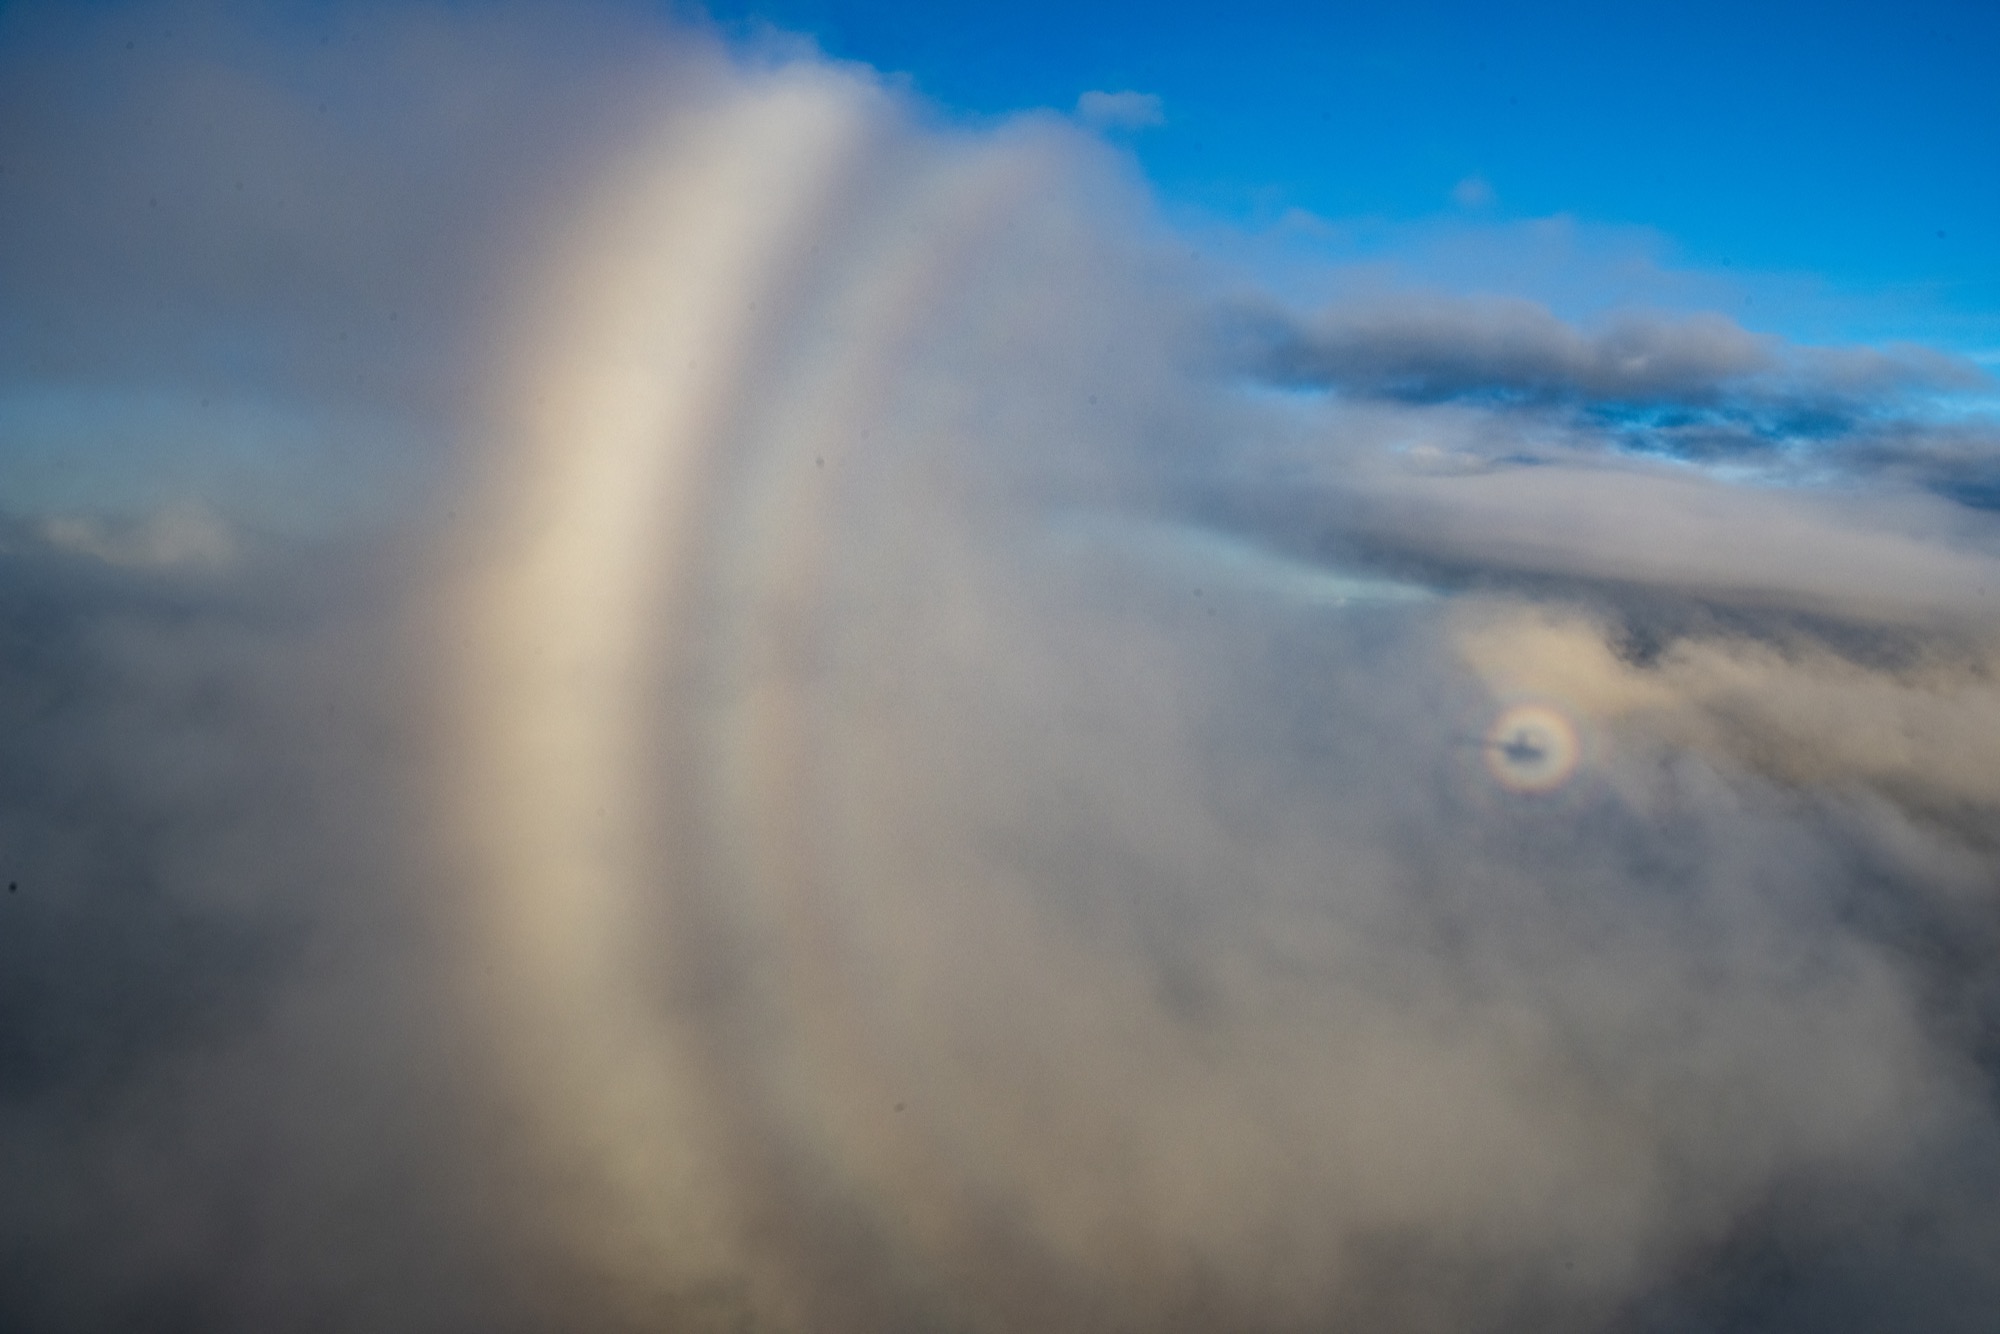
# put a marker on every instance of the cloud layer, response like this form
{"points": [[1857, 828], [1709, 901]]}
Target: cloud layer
{"points": [[1698, 387], [760, 720]]}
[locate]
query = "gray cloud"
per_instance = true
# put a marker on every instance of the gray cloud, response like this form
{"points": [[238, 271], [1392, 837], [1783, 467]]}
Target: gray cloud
{"points": [[1124, 110], [1960, 460], [869, 788], [1694, 387], [1428, 349]]}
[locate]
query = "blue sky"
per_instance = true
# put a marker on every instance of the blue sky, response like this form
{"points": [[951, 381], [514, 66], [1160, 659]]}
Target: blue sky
{"points": [[1843, 158]]}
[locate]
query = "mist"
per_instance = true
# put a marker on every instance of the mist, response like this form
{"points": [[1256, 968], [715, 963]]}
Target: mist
{"points": [[650, 685]]}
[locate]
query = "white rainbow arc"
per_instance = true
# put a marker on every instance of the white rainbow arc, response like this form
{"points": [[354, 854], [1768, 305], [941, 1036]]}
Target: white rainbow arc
{"points": [[633, 381], [648, 379]]}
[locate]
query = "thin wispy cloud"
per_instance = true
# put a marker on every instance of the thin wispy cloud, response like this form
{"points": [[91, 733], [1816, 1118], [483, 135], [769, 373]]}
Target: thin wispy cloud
{"points": [[1124, 110], [1474, 192]]}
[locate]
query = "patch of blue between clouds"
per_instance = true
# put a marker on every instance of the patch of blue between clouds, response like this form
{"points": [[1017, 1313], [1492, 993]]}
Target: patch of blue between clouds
{"points": [[122, 449]]}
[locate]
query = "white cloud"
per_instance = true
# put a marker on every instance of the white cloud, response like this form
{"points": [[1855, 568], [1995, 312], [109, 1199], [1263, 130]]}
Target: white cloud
{"points": [[1125, 110], [178, 535], [1475, 191]]}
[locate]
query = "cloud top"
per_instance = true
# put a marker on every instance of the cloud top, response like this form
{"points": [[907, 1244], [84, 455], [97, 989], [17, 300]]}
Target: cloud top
{"points": [[1434, 349], [1696, 387], [1123, 110]]}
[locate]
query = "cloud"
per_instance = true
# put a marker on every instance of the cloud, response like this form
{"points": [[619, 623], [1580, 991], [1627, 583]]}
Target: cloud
{"points": [[1650, 527], [1959, 459], [873, 782], [177, 536], [1475, 191], [1437, 349], [1124, 110], [1698, 387]]}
